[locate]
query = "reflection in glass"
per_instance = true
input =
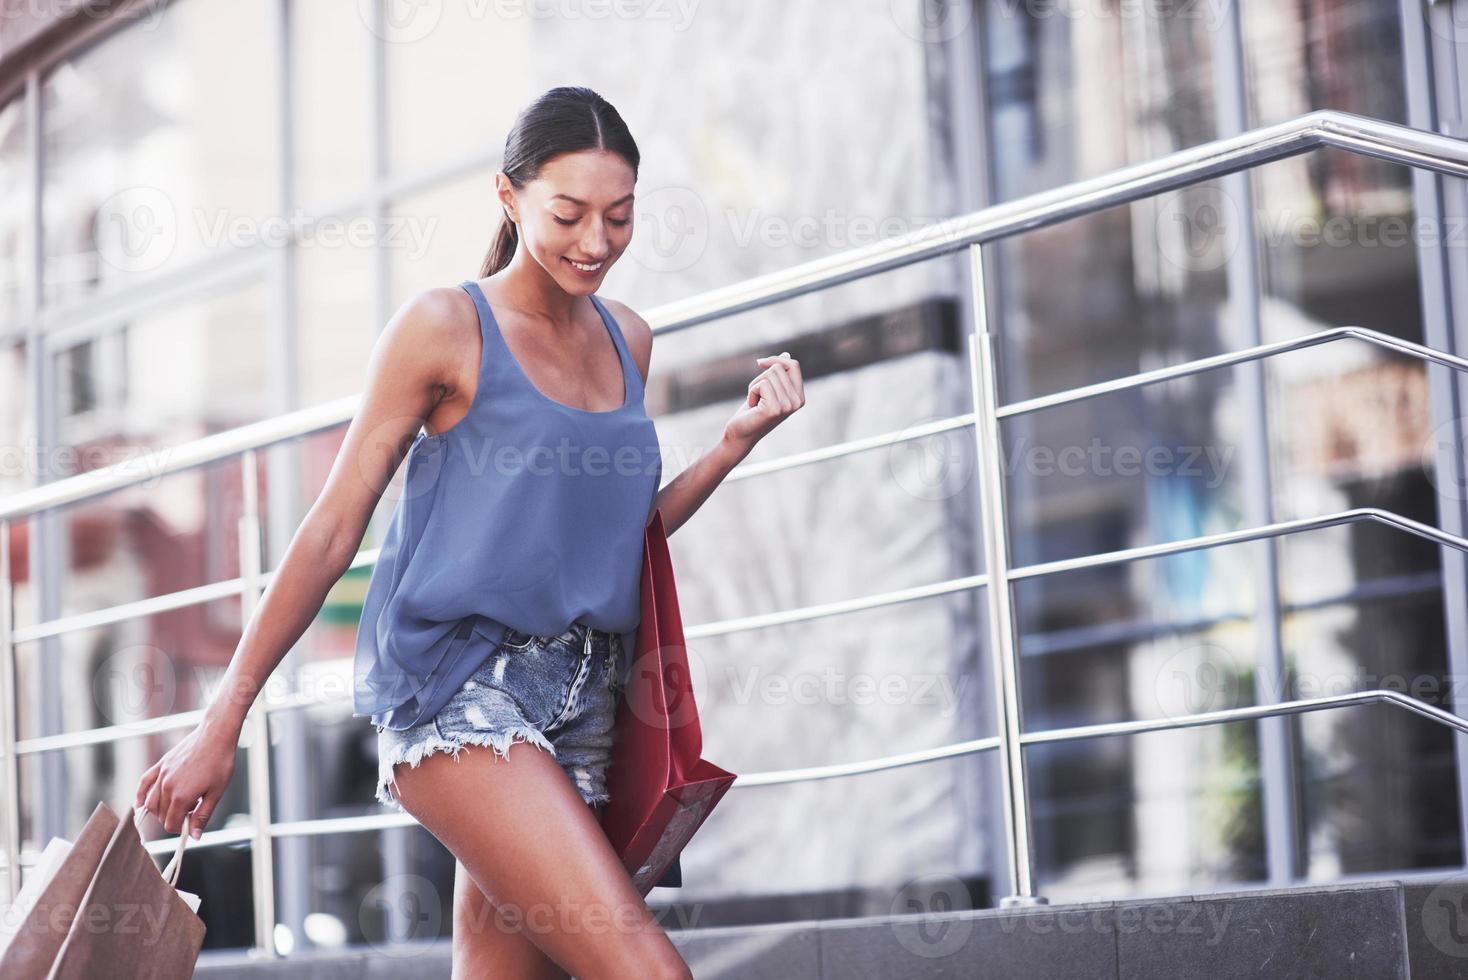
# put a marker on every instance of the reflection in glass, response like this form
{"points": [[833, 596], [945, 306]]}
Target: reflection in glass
{"points": [[14, 209], [156, 152], [1377, 783]]}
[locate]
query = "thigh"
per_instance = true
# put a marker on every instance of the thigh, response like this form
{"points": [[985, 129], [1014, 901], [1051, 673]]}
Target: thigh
{"points": [[539, 855], [486, 945]]}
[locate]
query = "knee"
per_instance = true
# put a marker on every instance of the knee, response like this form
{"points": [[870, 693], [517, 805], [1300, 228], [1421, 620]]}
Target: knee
{"points": [[669, 966]]}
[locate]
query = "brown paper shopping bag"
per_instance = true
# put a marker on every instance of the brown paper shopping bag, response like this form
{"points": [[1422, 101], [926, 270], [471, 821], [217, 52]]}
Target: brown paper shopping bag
{"points": [[108, 912], [38, 938]]}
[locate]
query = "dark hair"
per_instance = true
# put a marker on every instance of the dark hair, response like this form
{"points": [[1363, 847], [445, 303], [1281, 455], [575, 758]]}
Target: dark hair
{"points": [[563, 120]]}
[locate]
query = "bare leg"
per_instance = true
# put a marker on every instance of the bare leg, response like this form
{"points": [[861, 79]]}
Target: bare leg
{"points": [[486, 947], [540, 860]]}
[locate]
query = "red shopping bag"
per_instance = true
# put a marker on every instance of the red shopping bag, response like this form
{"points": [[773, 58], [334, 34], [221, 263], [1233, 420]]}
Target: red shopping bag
{"points": [[662, 789]]}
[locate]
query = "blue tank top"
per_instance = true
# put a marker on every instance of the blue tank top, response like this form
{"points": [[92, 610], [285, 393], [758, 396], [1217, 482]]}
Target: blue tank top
{"points": [[528, 513]]}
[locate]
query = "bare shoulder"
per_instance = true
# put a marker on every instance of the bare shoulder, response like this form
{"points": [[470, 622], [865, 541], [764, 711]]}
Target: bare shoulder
{"points": [[437, 329], [636, 331]]}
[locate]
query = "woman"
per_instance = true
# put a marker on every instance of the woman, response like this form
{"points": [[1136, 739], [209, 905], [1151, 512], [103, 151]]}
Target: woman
{"points": [[464, 647]]}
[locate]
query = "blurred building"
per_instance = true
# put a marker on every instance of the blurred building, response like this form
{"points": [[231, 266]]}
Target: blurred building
{"points": [[211, 208]]}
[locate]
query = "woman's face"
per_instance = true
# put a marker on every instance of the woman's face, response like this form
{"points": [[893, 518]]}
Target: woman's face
{"points": [[578, 211]]}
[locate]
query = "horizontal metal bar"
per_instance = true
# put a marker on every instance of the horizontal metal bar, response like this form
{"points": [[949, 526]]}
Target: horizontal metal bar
{"points": [[1236, 537], [175, 459], [806, 613], [1314, 130], [334, 675], [1200, 365], [1322, 128], [335, 825], [169, 601], [839, 607], [1251, 712]]}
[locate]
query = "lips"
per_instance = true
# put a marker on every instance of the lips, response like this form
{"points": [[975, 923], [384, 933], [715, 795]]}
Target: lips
{"points": [[586, 274]]}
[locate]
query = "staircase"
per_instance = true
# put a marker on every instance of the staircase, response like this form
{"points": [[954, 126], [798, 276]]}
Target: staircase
{"points": [[1379, 930]]}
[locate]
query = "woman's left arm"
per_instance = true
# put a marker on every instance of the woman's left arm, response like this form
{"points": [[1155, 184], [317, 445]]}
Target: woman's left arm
{"points": [[774, 394]]}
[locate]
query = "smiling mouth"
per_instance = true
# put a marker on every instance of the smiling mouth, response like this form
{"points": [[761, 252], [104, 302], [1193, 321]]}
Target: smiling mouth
{"points": [[587, 267]]}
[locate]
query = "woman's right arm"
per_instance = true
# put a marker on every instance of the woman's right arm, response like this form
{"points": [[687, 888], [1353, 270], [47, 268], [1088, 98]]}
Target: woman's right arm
{"points": [[410, 370]]}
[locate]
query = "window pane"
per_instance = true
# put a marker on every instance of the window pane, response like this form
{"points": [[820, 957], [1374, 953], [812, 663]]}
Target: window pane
{"points": [[331, 101], [15, 208], [159, 146], [165, 378], [125, 673], [1377, 783], [17, 425], [1346, 54]]}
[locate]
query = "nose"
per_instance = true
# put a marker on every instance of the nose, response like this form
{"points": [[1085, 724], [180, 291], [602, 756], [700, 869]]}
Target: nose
{"points": [[594, 242]]}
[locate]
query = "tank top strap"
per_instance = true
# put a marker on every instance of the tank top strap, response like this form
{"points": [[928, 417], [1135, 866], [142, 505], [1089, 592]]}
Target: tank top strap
{"points": [[630, 374], [493, 349]]}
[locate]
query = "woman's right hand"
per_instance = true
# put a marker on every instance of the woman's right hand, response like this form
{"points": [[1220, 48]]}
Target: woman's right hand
{"points": [[198, 767]]}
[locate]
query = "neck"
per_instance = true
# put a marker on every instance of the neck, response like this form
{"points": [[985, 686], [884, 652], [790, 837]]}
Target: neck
{"points": [[526, 286]]}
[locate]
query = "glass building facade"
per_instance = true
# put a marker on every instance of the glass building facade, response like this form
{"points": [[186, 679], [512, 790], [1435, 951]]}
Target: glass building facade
{"points": [[210, 209]]}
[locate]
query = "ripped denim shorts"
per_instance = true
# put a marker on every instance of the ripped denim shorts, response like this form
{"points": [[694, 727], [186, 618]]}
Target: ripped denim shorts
{"points": [[557, 692]]}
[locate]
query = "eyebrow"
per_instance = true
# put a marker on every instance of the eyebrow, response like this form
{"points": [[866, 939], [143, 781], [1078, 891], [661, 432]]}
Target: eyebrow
{"points": [[575, 200]]}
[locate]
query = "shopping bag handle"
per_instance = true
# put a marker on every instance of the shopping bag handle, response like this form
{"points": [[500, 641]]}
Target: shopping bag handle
{"points": [[170, 873]]}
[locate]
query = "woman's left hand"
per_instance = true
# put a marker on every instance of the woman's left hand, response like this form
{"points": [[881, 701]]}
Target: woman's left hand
{"points": [[773, 395]]}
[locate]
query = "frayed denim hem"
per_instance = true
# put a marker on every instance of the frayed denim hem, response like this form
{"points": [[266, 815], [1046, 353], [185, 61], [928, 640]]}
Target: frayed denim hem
{"points": [[413, 754]]}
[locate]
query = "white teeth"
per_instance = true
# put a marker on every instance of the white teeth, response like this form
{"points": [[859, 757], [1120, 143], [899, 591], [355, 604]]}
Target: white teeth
{"points": [[584, 268]]}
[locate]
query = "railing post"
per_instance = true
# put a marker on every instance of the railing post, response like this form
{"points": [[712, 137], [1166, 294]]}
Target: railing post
{"points": [[983, 375], [262, 854], [9, 720]]}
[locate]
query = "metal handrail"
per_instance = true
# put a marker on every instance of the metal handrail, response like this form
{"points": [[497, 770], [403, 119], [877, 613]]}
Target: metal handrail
{"points": [[1325, 128], [1313, 130], [213, 591]]}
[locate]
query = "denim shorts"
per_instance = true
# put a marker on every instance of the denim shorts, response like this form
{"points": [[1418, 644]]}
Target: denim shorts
{"points": [[557, 692]]}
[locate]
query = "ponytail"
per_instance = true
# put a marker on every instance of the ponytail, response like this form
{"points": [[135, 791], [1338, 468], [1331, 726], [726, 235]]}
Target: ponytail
{"points": [[502, 249]]}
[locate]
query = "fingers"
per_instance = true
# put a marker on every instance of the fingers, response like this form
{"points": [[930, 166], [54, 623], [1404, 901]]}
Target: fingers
{"points": [[145, 784], [783, 373], [787, 370], [178, 805], [153, 800], [200, 817]]}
